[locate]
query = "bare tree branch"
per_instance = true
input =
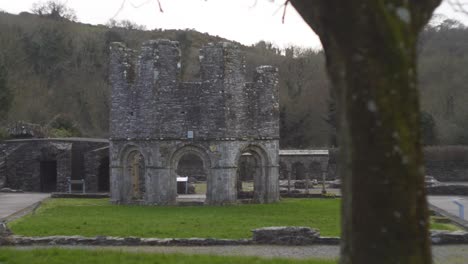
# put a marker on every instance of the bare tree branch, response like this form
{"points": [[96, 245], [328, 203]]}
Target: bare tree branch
{"points": [[284, 11], [140, 5], [122, 6], [120, 9]]}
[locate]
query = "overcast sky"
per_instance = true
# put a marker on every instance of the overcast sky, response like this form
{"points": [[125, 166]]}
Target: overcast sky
{"points": [[245, 21]]}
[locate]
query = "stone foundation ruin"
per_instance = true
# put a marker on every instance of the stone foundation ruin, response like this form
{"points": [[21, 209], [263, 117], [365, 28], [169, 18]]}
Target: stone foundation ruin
{"points": [[156, 121]]}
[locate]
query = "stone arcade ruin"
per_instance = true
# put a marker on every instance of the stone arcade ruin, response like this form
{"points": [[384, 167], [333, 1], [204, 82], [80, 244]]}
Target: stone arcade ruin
{"points": [[156, 120]]}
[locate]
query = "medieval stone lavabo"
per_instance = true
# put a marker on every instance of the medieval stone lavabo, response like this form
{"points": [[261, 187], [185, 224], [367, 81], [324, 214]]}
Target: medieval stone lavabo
{"points": [[156, 120]]}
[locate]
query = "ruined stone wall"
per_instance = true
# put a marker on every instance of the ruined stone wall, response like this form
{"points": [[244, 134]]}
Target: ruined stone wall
{"points": [[220, 159], [96, 166], [216, 118], [300, 167], [148, 100], [445, 163], [23, 161], [23, 165]]}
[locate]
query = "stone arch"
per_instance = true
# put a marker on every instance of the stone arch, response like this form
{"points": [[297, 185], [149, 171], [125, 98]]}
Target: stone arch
{"points": [[198, 151], [134, 174], [261, 171], [123, 153], [191, 165]]}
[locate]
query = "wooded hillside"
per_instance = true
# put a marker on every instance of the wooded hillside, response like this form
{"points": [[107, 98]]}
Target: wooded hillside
{"points": [[53, 68]]}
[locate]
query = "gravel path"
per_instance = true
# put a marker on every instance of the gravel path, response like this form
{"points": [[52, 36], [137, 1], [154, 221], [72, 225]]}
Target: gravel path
{"points": [[454, 254], [11, 203]]}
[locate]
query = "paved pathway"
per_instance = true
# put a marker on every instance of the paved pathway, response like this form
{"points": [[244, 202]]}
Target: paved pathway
{"points": [[454, 254], [11, 203], [446, 203]]}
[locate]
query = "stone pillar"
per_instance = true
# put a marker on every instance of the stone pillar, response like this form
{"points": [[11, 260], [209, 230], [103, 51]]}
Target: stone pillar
{"points": [[64, 165], [161, 186], [116, 181], [272, 184], [221, 186], [288, 174], [91, 171]]}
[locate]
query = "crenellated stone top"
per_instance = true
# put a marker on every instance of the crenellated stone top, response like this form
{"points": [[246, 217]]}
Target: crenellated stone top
{"points": [[149, 100]]}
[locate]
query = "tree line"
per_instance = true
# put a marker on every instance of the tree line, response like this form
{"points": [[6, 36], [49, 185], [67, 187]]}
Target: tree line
{"points": [[52, 66]]}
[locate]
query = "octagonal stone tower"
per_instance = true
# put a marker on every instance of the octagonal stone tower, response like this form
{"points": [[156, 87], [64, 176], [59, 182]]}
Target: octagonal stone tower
{"points": [[155, 120]]}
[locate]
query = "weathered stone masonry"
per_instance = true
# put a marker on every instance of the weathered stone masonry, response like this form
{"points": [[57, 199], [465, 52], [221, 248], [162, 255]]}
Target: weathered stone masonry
{"points": [[155, 120], [44, 165]]}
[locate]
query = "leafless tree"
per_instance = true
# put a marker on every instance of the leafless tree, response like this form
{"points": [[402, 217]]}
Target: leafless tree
{"points": [[54, 9]]}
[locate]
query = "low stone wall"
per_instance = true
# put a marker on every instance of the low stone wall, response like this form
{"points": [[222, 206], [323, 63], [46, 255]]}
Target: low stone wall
{"points": [[448, 238], [118, 241], [287, 236]]}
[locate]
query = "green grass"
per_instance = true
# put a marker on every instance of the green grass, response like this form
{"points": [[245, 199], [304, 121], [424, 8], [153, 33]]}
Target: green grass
{"points": [[444, 226], [71, 256], [92, 217]]}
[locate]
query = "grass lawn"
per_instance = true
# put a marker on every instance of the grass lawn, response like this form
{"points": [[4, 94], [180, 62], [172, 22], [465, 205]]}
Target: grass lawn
{"points": [[71, 256], [444, 226], [91, 217]]}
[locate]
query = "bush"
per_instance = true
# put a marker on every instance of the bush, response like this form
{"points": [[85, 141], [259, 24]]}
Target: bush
{"points": [[63, 126]]}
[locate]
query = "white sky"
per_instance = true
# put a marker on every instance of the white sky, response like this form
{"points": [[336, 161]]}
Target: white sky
{"points": [[245, 21]]}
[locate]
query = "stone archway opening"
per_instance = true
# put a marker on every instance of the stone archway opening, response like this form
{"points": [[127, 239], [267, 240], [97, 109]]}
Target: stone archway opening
{"points": [[248, 169], [135, 176], [191, 167], [252, 181], [194, 163]]}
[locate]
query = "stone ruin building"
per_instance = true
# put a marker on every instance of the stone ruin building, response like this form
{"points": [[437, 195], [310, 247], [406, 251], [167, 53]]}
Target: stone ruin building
{"points": [[156, 121], [47, 165]]}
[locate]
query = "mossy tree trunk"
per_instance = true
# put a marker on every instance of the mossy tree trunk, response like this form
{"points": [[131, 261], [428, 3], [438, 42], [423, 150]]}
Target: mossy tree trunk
{"points": [[370, 47]]}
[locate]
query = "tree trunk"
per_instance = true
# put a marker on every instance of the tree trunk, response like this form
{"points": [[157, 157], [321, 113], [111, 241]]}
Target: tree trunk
{"points": [[371, 60]]}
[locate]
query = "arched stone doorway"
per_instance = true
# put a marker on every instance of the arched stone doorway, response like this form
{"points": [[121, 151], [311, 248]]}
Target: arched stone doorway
{"points": [[254, 160], [247, 169], [190, 165], [135, 176], [188, 160]]}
